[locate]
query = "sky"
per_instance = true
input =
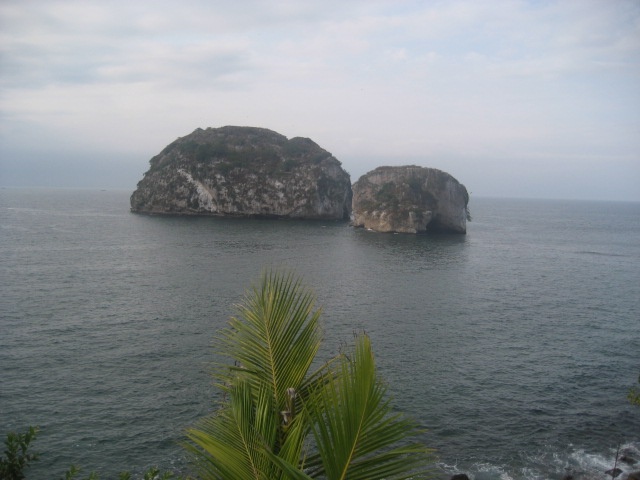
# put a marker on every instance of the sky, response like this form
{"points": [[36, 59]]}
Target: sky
{"points": [[514, 98]]}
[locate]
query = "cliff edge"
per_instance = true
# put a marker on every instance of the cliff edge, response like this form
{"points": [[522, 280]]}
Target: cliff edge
{"points": [[244, 171], [410, 199]]}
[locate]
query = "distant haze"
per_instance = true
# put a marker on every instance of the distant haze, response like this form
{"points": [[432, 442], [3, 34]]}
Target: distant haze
{"points": [[513, 98]]}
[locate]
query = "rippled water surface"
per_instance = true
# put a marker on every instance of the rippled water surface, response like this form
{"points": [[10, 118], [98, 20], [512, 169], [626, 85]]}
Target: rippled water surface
{"points": [[515, 345]]}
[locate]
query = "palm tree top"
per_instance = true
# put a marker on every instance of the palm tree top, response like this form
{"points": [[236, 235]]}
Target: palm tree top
{"points": [[281, 420]]}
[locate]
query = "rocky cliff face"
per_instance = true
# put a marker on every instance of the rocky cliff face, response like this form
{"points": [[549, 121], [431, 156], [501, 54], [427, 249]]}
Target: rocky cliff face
{"points": [[244, 171], [410, 199]]}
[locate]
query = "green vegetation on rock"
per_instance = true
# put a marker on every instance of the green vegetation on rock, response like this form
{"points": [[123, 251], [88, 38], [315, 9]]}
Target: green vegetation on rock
{"points": [[410, 199], [271, 175]]}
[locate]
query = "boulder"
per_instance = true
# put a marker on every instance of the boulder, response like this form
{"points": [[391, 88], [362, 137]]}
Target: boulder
{"points": [[614, 472], [627, 455], [410, 199], [460, 476], [244, 171]]}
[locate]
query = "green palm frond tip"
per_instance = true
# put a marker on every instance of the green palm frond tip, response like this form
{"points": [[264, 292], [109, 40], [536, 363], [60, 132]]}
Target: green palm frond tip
{"points": [[281, 419]]}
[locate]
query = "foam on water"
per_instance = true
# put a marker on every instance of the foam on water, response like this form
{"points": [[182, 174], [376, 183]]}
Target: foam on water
{"points": [[553, 464]]}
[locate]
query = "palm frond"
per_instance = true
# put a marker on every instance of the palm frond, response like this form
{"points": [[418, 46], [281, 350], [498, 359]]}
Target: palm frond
{"points": [[232, 439], [238, 441], [275, 337], [357, 435], [274, 401]]}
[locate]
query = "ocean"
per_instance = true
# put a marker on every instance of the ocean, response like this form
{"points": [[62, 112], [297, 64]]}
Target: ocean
{"points": [[514, 346]]}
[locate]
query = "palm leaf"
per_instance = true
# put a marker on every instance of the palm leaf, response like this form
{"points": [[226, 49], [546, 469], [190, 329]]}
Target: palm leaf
{"points": [[237, 442], [357, 435], [231, 440], [272, 342], [275, 337], [274, 401]]}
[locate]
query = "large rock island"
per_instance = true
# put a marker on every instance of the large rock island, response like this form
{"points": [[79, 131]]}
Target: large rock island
{"points": [[410, 199], [244, 171]]}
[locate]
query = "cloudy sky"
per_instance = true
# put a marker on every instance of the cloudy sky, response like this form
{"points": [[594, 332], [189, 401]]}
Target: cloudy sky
{"points": [[515, 98]]}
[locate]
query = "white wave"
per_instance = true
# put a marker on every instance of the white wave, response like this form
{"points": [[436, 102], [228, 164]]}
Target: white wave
{"points": [[542, 465]]}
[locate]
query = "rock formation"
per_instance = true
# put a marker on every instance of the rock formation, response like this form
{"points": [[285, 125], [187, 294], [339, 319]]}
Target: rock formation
{"points": [[244, 171], [410, 199]]}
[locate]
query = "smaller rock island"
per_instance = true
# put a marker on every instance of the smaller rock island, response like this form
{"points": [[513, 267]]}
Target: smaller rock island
{"points": [[410, 199], [244, 171]]}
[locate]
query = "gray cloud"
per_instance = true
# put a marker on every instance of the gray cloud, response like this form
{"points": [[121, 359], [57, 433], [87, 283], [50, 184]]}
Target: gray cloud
{"points": [[506, 83]]}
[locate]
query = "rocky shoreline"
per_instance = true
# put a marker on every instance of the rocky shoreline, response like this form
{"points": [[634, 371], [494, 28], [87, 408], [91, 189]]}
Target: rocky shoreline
{"points": [[625, 459]]}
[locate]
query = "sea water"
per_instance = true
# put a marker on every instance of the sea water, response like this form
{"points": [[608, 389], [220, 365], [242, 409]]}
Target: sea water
{"points": [[514, 346]]}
